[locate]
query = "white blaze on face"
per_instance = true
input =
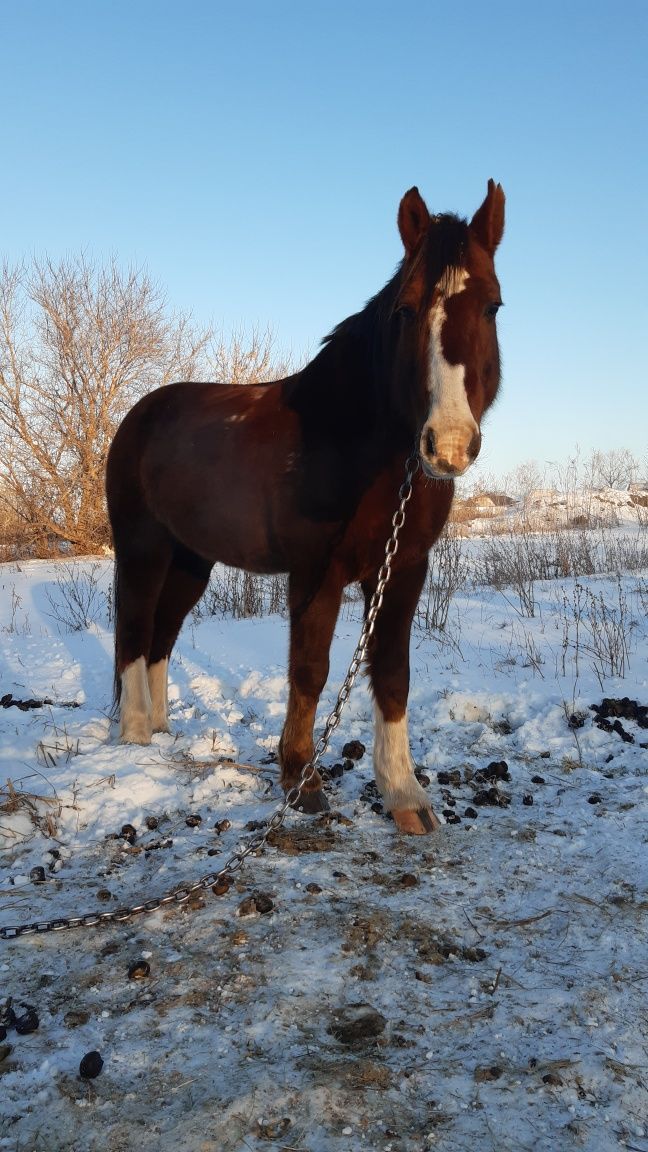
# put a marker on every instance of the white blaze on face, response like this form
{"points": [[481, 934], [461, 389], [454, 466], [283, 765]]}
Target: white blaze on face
{"points": [[450, 420]]}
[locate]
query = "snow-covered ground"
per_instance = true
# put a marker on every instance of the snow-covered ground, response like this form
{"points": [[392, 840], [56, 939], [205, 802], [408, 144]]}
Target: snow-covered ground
{"points": [[544, 508], [505, 959]]}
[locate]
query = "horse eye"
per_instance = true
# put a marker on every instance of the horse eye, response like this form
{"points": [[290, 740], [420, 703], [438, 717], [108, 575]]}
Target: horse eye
{"points": [[491, 310], [407, 312]]}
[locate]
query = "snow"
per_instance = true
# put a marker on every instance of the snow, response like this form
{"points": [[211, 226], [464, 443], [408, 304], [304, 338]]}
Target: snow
{"points": [[543, 508], [506, 954]]}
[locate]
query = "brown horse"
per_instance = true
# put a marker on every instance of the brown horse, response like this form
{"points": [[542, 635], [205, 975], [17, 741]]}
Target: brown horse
{"points": [[302, 476]]}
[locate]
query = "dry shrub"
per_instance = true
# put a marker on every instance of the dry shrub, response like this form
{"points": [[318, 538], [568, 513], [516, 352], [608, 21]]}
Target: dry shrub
{"points": [[232, 592], [80, 599], [447, 575], [517, 559], [596, 627]]}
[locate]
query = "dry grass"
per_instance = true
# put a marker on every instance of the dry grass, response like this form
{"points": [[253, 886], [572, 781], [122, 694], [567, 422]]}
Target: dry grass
{"points": [[42, 811], [191, 768]]}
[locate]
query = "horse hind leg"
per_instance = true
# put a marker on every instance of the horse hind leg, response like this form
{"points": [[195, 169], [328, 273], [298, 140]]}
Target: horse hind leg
{"points": [[135, 704], [157, 679], [140, 572], [186, 580]]}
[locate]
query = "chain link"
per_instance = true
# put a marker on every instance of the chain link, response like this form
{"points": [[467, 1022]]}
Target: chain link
{"points": [[256, 842]]}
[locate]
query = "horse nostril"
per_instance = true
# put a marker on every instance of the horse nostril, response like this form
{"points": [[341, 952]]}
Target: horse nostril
{"points": [[444, 466], [430, 446], [474, 446]]}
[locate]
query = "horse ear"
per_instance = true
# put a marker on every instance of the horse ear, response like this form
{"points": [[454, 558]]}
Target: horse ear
{"points": [[413, 220], [488, 221]]}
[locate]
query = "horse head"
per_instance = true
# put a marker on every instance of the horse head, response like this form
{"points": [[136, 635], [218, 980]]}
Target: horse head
{"points": [[447, 304]]}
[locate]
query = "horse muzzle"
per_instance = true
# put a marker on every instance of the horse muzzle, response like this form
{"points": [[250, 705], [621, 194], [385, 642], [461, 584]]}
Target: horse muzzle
{"points": [[448, 455]]}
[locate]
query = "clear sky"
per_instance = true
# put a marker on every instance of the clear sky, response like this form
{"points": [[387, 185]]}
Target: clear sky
{"points": [[252, 155]]}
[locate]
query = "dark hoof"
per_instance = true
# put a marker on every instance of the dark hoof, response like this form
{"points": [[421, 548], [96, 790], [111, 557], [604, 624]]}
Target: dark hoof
{"points": [[312, 803], [419, 822]]}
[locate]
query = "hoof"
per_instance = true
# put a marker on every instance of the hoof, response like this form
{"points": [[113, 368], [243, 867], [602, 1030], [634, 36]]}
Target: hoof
{"points": [[135, 737], [312, 803], [416, 822], [136, 734]]}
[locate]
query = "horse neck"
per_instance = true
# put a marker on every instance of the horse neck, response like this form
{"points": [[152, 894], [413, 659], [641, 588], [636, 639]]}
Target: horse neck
{"points": [[352, 379]]}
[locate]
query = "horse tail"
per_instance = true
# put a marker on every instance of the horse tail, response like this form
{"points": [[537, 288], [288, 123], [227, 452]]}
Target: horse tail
{"points": [[116, 607]]}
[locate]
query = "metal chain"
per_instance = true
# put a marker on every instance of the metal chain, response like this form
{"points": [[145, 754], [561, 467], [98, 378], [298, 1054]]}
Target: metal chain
{"points": [[256, 842]]}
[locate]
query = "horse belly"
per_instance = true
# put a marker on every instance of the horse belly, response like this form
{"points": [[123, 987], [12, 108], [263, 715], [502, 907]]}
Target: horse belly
{"points": [[233, 514], [223, 520]]}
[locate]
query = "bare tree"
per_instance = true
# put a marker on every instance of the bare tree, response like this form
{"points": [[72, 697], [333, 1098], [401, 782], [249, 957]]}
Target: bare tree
{"points": [[525, 479], [247, 356], [78, 345], [616, 468]]}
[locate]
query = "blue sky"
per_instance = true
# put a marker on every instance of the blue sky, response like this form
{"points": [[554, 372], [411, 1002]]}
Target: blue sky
{"points": [[252, 156]]}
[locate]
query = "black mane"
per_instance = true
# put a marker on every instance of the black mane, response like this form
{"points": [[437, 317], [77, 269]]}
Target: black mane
{"points": [[443, 251]]}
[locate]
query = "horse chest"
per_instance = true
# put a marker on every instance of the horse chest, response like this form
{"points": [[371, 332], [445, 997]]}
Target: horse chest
{"points": [[362, 548]]}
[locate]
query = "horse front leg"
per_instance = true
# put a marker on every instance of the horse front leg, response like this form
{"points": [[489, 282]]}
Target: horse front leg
{"points": [[390, 674], [313, 613]]}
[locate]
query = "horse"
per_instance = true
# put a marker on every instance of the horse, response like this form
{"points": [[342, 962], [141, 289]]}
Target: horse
{"points": [[301, 476]]}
